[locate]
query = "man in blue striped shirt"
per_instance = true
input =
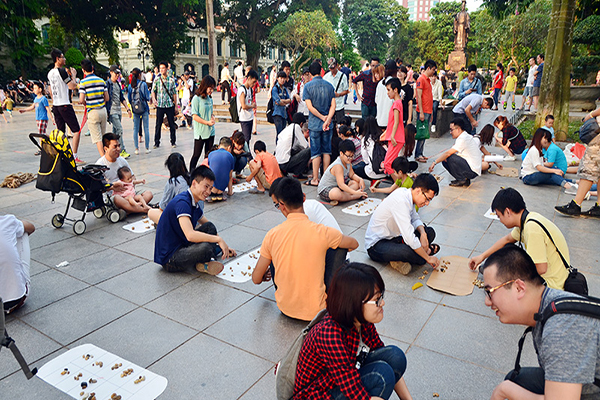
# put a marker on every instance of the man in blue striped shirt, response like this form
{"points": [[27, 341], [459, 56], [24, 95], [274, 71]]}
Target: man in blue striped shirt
{"points": [[93, 93]]}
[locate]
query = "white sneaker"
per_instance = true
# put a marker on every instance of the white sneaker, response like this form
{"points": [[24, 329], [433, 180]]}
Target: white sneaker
{"points": [[509, 158], [137, 151], [148, 151], [432, 128], [572, 190]]}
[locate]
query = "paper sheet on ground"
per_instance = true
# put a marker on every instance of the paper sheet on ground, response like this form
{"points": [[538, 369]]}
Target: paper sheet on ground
{"points": [[243, 187], [109, 381], [363, 208], [457, 279], [142, 226], [509, 172], [493, 158], [240, 269], [491, 215]]}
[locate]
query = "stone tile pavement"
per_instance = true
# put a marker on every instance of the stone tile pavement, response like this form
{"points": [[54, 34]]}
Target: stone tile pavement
{"points": [[214, 339]]}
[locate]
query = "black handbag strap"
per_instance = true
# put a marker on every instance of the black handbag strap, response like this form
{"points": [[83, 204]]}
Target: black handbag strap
{"points": [[567, 266], [172, 97], [340, 81]]}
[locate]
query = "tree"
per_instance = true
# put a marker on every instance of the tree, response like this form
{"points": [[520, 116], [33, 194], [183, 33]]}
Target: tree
{"points": [[442, 24], [73, 58], [302, 32]]}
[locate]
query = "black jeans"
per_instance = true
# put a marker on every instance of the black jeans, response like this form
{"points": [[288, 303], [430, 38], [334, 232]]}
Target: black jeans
{"points": [[198, 144], [247, 130], [395, 249], [186, 257], [459, 168], [160, 115], [225, 88], [530, 378], [297, 164]]}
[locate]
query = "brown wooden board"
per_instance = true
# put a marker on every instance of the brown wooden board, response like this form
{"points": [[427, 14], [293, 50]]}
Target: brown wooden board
{"points": [[509, 172], [457, 278]]}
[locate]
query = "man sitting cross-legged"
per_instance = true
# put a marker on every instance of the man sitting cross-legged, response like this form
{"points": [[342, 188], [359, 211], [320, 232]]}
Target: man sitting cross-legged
{"points": [[184, 238], [113, 160], [395, 233], [297, 249]]}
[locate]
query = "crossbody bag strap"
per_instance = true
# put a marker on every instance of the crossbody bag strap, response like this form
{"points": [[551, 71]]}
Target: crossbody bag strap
{"points": [[167, 90], [340, 81], [567, 266]]}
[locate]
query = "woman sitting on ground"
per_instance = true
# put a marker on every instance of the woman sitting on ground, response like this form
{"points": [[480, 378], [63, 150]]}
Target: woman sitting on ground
{"points": [[512, 140], [178, 182], [370, 141], [486, 137], [342, 357]]}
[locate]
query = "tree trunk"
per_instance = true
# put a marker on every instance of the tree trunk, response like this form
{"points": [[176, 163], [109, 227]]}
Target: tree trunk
{"points": [[555, 90], [212, 41]]}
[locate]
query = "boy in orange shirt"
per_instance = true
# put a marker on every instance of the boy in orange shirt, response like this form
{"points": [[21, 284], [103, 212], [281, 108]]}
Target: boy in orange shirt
{"points": [[264, 168]]}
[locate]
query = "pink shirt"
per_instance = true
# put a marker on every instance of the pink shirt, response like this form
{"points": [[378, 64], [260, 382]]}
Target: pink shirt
{"points": [[127, 190], [399, 134]]}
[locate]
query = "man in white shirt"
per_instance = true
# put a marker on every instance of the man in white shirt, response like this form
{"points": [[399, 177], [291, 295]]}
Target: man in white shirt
{"points": [[14, 263], [463, 160], [246, 105], [528, 92], [225, 83], [395, 233], [293, 152], [238, 74], [149, 77], [339, 81]]}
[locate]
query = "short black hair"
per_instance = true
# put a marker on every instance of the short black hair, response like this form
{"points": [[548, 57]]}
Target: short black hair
{"points": [[274, 185], [375, 59], [55, 54], [86, 65], [345, 130], [289, 192], [512, 262], [461, 122], [401, 164], [346, 120], [490, 101], [225, 142], [430, 64], [394, 84], [549, 116], [315, 68], [512, 69], [252, 74], [285, 63], [259, 145], [352, 285], [541, 55], [472, 68], [109, 137], [202, 172], [121, 172], [299, 119], [508, 198], [282, 74], [426, 182], [347, 145], [164, 63], [41, 86]]}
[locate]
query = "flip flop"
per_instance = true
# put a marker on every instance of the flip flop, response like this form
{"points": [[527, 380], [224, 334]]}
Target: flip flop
{"points": [[435, 248], [309, 183]]}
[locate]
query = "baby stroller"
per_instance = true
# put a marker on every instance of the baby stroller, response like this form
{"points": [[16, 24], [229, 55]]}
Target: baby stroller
{"points": [[85, 187]]}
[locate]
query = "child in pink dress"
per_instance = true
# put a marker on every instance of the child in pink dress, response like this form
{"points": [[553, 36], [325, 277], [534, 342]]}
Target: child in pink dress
{"points": [[394, 133], [127, 188]]}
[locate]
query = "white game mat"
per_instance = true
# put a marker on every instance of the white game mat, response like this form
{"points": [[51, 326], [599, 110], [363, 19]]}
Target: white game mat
{"points": [[240, 269], [142, 226], [103, 373], [491, 215], [244, 186], [363, 208]]}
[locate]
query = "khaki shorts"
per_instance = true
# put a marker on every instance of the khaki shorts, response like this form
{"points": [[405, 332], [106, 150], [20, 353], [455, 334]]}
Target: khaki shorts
{"points": [[262, 178], [535, 91], [589, 167], [97, 123]]}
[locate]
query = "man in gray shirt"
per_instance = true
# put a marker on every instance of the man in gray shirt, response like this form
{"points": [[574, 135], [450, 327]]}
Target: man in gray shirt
{"points": [[567, 346], [115, 99]]}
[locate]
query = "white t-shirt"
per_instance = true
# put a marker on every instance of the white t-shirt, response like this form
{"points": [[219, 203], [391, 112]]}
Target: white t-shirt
{"points": [[245, 115], [284, 143], [149, 78], [383, 101], [302, 107], [531, 161], [531, 77], [317, 213], [14, 263], [239, 74], [111, 174], [186, 90], [59, 78], [468, 147], [343, 85], [367, 151]]}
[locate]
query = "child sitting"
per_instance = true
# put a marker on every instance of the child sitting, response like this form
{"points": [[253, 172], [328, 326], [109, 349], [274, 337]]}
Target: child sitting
{"points": [[241, 153], [549, 124], [127, 190], [402, 168], [264, 168], [221, 162], [177, 183], [339, 182]]}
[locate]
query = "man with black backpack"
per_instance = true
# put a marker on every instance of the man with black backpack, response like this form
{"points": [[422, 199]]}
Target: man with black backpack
{"points": [[567, 343]]}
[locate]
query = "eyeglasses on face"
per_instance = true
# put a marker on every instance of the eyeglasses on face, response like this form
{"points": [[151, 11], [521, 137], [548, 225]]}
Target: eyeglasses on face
{"points": [[376, 302], [488, 292], [427, 198]]}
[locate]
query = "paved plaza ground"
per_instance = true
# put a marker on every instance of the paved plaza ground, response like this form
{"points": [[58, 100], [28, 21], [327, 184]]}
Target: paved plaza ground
{"points": [[213, 339]]}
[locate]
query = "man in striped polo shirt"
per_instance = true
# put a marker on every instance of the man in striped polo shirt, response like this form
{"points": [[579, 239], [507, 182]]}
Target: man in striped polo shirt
{"points": [[93, 93]]}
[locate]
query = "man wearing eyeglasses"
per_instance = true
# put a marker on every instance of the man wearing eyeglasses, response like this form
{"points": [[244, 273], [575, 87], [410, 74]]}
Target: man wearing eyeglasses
{"points": [[395, 233], [567, 345]]}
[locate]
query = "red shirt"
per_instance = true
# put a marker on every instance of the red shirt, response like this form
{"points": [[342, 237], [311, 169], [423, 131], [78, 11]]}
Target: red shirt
{"points": [[328, 359], [500, 81], [427, 95]]}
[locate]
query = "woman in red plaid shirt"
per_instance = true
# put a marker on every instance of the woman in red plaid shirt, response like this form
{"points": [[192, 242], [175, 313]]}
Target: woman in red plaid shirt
{"points": [[342, 356]]}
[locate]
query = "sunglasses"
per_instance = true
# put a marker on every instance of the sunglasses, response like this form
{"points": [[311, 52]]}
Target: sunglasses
{"points": [[488, 292]]}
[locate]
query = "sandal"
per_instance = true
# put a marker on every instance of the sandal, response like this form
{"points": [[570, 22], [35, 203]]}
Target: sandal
{"points": [[435, 248], [211, 267]]}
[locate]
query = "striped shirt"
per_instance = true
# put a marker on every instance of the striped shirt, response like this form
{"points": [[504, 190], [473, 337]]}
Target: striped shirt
{"points": [[94, 88]]}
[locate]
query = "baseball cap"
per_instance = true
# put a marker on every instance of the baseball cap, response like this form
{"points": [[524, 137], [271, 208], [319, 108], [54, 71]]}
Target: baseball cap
{"points": [[332, 62], [305, 70], [114, 68]]}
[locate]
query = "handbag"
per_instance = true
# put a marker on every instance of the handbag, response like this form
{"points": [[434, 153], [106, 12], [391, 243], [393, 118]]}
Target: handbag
{"points": [[422, 130]]}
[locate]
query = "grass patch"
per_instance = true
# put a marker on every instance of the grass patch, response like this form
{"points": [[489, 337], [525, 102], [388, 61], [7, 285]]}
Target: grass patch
{"points": [[526, 129]]}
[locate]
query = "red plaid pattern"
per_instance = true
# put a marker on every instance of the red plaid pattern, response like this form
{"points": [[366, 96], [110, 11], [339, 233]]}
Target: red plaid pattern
{"points": [[328, 359], [369, 87], [42, 125]]}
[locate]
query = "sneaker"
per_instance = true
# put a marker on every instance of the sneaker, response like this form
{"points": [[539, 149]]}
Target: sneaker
{"points": [[464, 182], [401, 266], [514, 106], [571, 209], [137, 151], [148, 151], [592, 212], [87, 133], [211, 267], [504, 106], [509, 158], [432, 128], [173, 146], [125, 154], [79, 161], [572, 190]]}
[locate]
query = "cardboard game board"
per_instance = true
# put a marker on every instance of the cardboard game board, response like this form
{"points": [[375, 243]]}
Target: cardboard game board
{"points": [[102, 373], [491, 215], [453, 276], [243, 187], [240, 269], [142, 226], [509, 172], [363, 208]]}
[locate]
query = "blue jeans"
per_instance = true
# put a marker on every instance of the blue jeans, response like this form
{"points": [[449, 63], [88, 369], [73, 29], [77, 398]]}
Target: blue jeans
{"points": [[436, 104], [320, 143], [379, 373], [117, 128], [240, 163], [496, 96], [395, 249], [137, 120], [543, 178], [368, 110], [421, 143], [280, 124]]}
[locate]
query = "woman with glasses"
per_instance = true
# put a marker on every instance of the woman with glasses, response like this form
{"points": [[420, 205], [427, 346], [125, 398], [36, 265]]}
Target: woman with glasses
{"points": [[342, 356]]}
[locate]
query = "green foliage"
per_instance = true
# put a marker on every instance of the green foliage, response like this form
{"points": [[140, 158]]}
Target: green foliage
{"points": [[501, 9], [352, 58], [442, 24], [527, 129], [587, 32], [73, 58]]}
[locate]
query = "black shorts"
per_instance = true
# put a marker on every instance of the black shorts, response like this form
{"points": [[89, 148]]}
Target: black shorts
{"points": [[65, 115]]}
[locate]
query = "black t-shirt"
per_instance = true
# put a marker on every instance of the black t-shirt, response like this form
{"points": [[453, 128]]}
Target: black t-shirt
{"points": [[409, 94], [289, 84]]}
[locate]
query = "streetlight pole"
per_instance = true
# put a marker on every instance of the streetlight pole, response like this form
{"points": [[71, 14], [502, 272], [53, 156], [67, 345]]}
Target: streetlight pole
{"points": [[143, 55]]}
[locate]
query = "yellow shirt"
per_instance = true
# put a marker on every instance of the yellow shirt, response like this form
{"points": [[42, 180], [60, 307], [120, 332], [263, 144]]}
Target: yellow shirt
{"points": [[297, 248], [511, 83], [540, 248]]}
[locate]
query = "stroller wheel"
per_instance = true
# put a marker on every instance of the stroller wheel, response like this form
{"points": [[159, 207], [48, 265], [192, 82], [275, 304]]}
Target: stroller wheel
{"points": [[99, 212], [58, 220], [113, 216], [79, 227]]}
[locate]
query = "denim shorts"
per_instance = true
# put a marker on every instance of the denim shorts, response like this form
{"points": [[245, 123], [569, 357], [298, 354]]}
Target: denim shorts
{"points": [[320, 143]]}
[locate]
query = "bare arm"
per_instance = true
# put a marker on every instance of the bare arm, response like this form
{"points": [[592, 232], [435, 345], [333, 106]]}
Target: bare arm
{"points": [[475, 261], [442, 158], [30, 108], [195, 236], [348, 242], [547, 170], [420, 104], [260, 274], [337, 171], [28, 227]]}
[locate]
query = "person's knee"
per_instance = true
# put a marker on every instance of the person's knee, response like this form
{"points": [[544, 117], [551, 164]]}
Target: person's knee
{"points": [[381, 380], [147, 195], [396, 358]]}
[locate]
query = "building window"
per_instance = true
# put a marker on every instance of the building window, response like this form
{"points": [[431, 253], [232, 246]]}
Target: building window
{"points": [[45, 29], [219, 48], [234, 50], [270, 53], [204, 50], [192, 48]]}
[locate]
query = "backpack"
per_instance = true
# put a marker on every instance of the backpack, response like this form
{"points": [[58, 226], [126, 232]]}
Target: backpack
{"points": [[270, 109], [586, 306], [233, 110], [588, 130], [137, 107], [285, 371], [377, 158]]}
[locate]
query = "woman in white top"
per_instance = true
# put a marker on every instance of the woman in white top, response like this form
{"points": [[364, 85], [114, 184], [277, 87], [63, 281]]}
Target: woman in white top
{"points": [[369, 142], [438, 92], [384, 103]]}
